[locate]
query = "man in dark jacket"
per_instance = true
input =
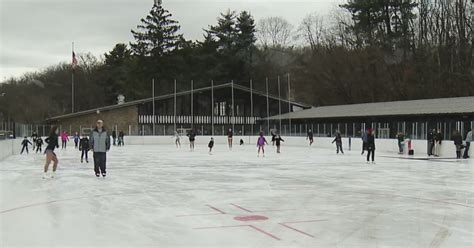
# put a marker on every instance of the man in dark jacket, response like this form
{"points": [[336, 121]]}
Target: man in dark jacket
{"points": [[457, 138], [114, 136], [100, 145], [338, 140]]}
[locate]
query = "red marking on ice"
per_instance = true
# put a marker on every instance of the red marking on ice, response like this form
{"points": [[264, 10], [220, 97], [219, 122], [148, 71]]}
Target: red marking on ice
{"points": [[251, 226], [250, 218], [211, 207], [285, 224]]}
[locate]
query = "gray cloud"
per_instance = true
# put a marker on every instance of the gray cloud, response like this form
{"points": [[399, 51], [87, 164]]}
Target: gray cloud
{"points": [[36, 34]]}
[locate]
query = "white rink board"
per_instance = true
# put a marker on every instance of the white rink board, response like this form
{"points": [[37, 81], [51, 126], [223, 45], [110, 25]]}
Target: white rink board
{"points": [[160, 196]]}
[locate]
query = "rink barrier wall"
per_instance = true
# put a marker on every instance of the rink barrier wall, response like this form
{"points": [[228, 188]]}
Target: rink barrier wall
{"points": [[381, 145], [13, 146], [9, 147]]}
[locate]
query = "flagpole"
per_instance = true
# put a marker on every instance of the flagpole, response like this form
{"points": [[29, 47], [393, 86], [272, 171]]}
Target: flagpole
{"points": [[153, 97], [212, 107], [279, 104], [175, 105], [289, 103], [72, 82], [268, 107]]}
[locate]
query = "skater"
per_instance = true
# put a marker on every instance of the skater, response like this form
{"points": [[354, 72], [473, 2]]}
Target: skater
{"points": [[310, 137], [278, 140], [84, 147], [261, 144], [364, 142], [34, 136], [468, 143], [371, 145], [120, 138], [230, 135], [39, 144], [211, 145], [438, 139], [100, 145], [338, 140], [273, 137], [52, 141], [457, 138], [177, 140], [401, 142], [24, 144], [241, 141], [76, 139], [114, 136], [64, 139], [192, 138], [431, 141]]}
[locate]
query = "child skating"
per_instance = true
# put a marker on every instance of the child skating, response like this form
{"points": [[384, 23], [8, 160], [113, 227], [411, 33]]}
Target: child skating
{"points": [[310, 137], [76, 140], [261, 144], [64, 139], [177, 139], [338, 140], [278, 141], [39, 144], [84, 147], [24, 145], [211, 145]]}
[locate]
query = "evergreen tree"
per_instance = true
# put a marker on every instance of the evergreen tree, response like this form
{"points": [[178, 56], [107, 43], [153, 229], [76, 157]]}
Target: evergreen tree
{"points": [[157, 34]]}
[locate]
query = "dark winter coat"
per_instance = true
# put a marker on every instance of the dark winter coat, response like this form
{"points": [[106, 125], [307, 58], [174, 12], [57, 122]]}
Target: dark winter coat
{"points": [[457, 139], [278, 140], [371, 142], [84, 144], [211, 144], [25, 142], [192, 136], [439, 137], [39, 141], [52, 142]]}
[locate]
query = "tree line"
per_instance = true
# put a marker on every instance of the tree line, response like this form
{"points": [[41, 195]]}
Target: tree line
{"points": [[365, 51]]}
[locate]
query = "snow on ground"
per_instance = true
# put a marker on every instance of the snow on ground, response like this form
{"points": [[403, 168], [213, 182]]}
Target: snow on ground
{"points": [[163, 197]]}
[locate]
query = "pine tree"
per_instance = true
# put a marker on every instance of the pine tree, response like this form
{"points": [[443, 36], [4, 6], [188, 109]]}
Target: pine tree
{"points": [[157, 34]]}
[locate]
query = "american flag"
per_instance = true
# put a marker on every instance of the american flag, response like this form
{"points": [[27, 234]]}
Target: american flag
{"points": [[74, 60]]}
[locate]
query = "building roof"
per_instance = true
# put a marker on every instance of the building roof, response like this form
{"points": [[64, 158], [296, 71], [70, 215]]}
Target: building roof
{"points": [[438, 106], [167, 96]]}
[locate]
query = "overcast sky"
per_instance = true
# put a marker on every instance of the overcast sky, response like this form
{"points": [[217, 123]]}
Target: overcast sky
{"points": [[39, 33]]}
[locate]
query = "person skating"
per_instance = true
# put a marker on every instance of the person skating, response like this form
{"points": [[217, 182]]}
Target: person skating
{"points": [[84, 147], [100, 145], [177, 139], [114, 136], [401, 142], [230, 135], [39, 144], [273, 137], [261, 144], [438, 139], [364, 141], [211, 145], [338, 140], [431, 141], [457, 138], [371, 145], [64, 139], [24, 145], [310, 136], [121, 141], [192, 138], [241, 141], [76, 139], [34, 136], [52, 142], [468, 143], [278, 141]]}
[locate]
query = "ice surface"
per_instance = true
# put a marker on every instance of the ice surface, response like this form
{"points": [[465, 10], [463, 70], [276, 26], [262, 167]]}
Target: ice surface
{"points": [[163, 197]]}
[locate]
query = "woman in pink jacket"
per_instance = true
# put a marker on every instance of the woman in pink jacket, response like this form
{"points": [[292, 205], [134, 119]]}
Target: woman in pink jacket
{"points": [[64, 139]]}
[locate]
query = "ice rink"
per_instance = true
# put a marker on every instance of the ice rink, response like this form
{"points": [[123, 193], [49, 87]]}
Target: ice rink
{"points": [[158, 196]]}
